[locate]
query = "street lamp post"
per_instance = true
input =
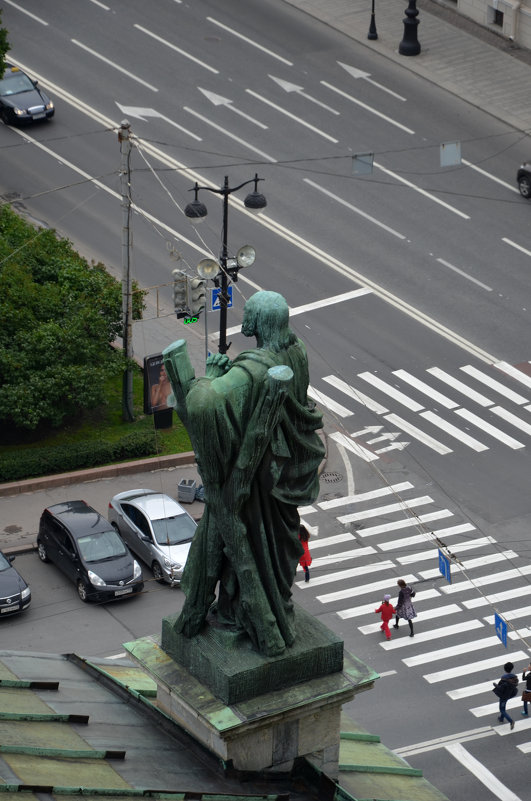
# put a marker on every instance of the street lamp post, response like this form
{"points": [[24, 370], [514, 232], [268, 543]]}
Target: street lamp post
{"points": [[196, 211], [373, 33]]}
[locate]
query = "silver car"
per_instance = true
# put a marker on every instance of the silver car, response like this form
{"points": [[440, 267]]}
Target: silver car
{"points": [[156, 528]]}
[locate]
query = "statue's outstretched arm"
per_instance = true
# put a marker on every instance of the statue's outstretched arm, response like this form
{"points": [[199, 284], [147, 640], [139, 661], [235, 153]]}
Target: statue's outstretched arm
{"points": [[181, 374]]}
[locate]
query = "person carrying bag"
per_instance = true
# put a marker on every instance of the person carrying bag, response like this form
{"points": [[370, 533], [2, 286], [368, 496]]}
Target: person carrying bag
{"points": [[526, 695]]}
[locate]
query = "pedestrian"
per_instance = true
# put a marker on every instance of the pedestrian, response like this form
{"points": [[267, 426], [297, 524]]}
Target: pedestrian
{"points": [[306, 559], [404, 606], [526, 695], [386, 610], [506, 688]]}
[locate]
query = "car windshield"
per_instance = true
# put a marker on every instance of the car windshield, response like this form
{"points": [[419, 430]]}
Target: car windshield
{"points": [[173, 530], [14, 84], [101, 547], [4, 564]]}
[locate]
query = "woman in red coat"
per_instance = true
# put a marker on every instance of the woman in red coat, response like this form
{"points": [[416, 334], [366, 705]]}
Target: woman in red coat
{"points": [[387, 611], [306, 559]]}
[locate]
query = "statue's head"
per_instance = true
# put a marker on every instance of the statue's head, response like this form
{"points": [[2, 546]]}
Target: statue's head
{"points": [[266, 316]]}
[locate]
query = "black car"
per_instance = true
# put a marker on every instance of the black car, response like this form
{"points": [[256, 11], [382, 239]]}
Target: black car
{"points": [[85, 546], [523, 179], [15, 595], [21, 100]]}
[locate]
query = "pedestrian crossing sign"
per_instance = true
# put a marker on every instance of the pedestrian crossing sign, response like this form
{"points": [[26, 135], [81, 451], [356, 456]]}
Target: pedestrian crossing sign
{"points": [[216, 298]]}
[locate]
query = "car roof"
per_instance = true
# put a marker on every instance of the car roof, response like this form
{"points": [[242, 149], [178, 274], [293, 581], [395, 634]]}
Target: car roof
{"points": [[155, 505], [79, 518]]}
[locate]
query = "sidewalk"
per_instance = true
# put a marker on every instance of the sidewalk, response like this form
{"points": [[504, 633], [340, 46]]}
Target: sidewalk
{"points": [[464, 58]]}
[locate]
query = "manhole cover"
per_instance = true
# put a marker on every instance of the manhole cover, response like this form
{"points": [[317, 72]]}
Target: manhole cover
{"points": [[332, 477]]}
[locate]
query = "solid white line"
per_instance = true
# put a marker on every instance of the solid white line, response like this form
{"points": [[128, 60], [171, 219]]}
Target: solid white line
{"points": [[511, 418], [176, 49], [471, 564], [401, 506], [351, 572], [432, 553], [433, 634], [223, 130], [441, 742], [366, 107], [250, 41], [405, 523], [515, 245], [475, 667], [416, 433], [387, 389], [505, 184], [291, 116], [353, 447], [323, 400], [467, 692], [453, 431], [481, 773], [335, 539], [24, 11], [391, 489], [489, 429], [471, 394], [368, 609], [325, 302], [363, 589], [101, 5], [454, 650], [464, 275], [428, 536], [492, 578], [493, 708], [525, 748], [493, 384], [355, 394], [433, 395], [348, 466], [521, 725], [515, 373], [334, 559], [114, 65], [422, 192], [354, 209]]}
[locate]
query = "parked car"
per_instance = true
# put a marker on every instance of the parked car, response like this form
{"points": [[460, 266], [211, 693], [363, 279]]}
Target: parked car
{"points": [[523, 179], [21, 100], [156, 528], [15, 595], [85, 546]]}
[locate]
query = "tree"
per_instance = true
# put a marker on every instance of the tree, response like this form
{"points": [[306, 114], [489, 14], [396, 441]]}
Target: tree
{"points": [[4, 46], [60, 316]]}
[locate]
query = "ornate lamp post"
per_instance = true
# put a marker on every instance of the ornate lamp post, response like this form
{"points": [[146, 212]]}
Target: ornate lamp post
{"points": [[373, 33], [410, 45], [228, 267]]}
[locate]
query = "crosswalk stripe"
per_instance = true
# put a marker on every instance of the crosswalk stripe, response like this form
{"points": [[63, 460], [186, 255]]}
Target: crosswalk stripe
{"points": [[355, 394], [354, 447], [329, 578], [367, 609], [406, 522], [433, 634], [489, 429], [511, 418], [521, 725], [525, 748], [394, 393], [453, 431], [390, 489], [433, 394], [482, 774], [496, 598], [428, 536], [512, 614], [476, 667], [493, 384], [493, 707], [492, 578], [432, 553], [336, 558], [336, 539], [470, 393], [363, 589], [515, 373], [401, 506], [324, 400], [472, 689], [453, 650], [471, 564], [416, 433], [425, 614]]}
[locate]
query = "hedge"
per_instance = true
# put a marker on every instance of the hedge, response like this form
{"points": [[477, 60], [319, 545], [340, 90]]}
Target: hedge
{"points": [[33, 462]]}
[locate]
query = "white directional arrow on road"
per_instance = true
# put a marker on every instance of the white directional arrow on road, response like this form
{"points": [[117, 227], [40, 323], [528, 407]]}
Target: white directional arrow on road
{"points": [[219, 100], [396, 446], [392, 435], [142, 113], [292, 87], [368, 430], [355, 73]]}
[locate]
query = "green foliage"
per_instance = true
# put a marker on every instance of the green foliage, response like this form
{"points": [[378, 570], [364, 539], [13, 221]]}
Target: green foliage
{"points": [[60, 316], [4, 46]]}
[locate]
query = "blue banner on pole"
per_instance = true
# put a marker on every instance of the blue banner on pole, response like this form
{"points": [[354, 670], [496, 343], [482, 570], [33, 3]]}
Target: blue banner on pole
{"points": [[444, 567], [501, 628]]}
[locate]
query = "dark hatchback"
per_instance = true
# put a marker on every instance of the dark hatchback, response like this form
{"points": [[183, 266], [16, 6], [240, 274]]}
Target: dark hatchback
{"points": [[21, 100], [84, 545], [523, 179], [15, 595]]}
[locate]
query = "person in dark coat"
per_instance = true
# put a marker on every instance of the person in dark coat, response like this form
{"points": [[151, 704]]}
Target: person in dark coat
{"points": [[386, 610], [306, 558], [404, 606], [526, 676], [506, 688]]}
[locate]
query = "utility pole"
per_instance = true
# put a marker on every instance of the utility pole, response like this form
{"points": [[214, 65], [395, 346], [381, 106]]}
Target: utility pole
{"points": [[127, 296]]}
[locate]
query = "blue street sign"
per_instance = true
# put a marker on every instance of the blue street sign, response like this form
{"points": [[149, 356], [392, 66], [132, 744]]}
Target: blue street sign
{"points": [[501, 628], [216, 303], [444, 567]]}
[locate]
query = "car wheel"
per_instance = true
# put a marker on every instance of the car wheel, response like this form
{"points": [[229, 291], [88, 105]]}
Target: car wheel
{"points": [[158, 575], [524, 185], [82, 591], [41, 550]]}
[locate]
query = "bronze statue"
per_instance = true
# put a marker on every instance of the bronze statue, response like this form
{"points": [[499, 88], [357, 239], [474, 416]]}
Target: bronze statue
{"points": [[253, 430]]}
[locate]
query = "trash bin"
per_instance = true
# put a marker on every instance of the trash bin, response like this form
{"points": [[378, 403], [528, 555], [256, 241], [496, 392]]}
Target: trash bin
{"points": [[186, 490]]}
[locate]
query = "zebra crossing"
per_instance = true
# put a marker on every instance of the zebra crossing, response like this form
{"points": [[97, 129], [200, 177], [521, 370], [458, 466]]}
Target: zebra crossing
{"points": [[438, 406], [352, 570]]}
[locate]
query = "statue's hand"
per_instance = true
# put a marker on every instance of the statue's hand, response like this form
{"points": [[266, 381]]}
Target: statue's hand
{"points": [[217, 365]]}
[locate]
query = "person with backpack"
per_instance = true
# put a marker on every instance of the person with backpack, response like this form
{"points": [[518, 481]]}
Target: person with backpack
{"points": [[506, 688]]}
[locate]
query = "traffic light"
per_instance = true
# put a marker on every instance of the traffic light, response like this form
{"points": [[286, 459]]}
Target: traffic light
{"points": [[180, 293], [196, 296]]}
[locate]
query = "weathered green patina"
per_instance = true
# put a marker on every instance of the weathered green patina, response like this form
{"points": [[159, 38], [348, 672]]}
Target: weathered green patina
{"points": [[254, 433]]}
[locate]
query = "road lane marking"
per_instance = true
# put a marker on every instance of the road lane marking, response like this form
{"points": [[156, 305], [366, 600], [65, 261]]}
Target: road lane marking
{"points": [[25, 11], [364, 589], [379, 511], [489, 429], [485, 776], [426, 614], [493, 384], [348, 443], [355, 394], [470, 393], [441, 742], [176, 49], [421, 386], [515, 244], [291, 116], [250, 41], [405, 523], [422, 191], [453, 431], [367, 107], [416, 433], [370, 495], [492, 578], [366, 609], [428, 536], [350, 572], [464, 275], [476, 667], [432, 634], [114, 65], [432, 553], [394, 393], [224, 131], [323, 400]]}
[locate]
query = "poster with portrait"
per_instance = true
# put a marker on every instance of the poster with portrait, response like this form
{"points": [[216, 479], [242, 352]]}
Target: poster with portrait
{"points": [[157, 388]]}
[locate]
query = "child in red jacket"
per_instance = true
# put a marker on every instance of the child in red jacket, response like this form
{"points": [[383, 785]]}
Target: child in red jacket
{"points": [[387, 611], [306, 559]]}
